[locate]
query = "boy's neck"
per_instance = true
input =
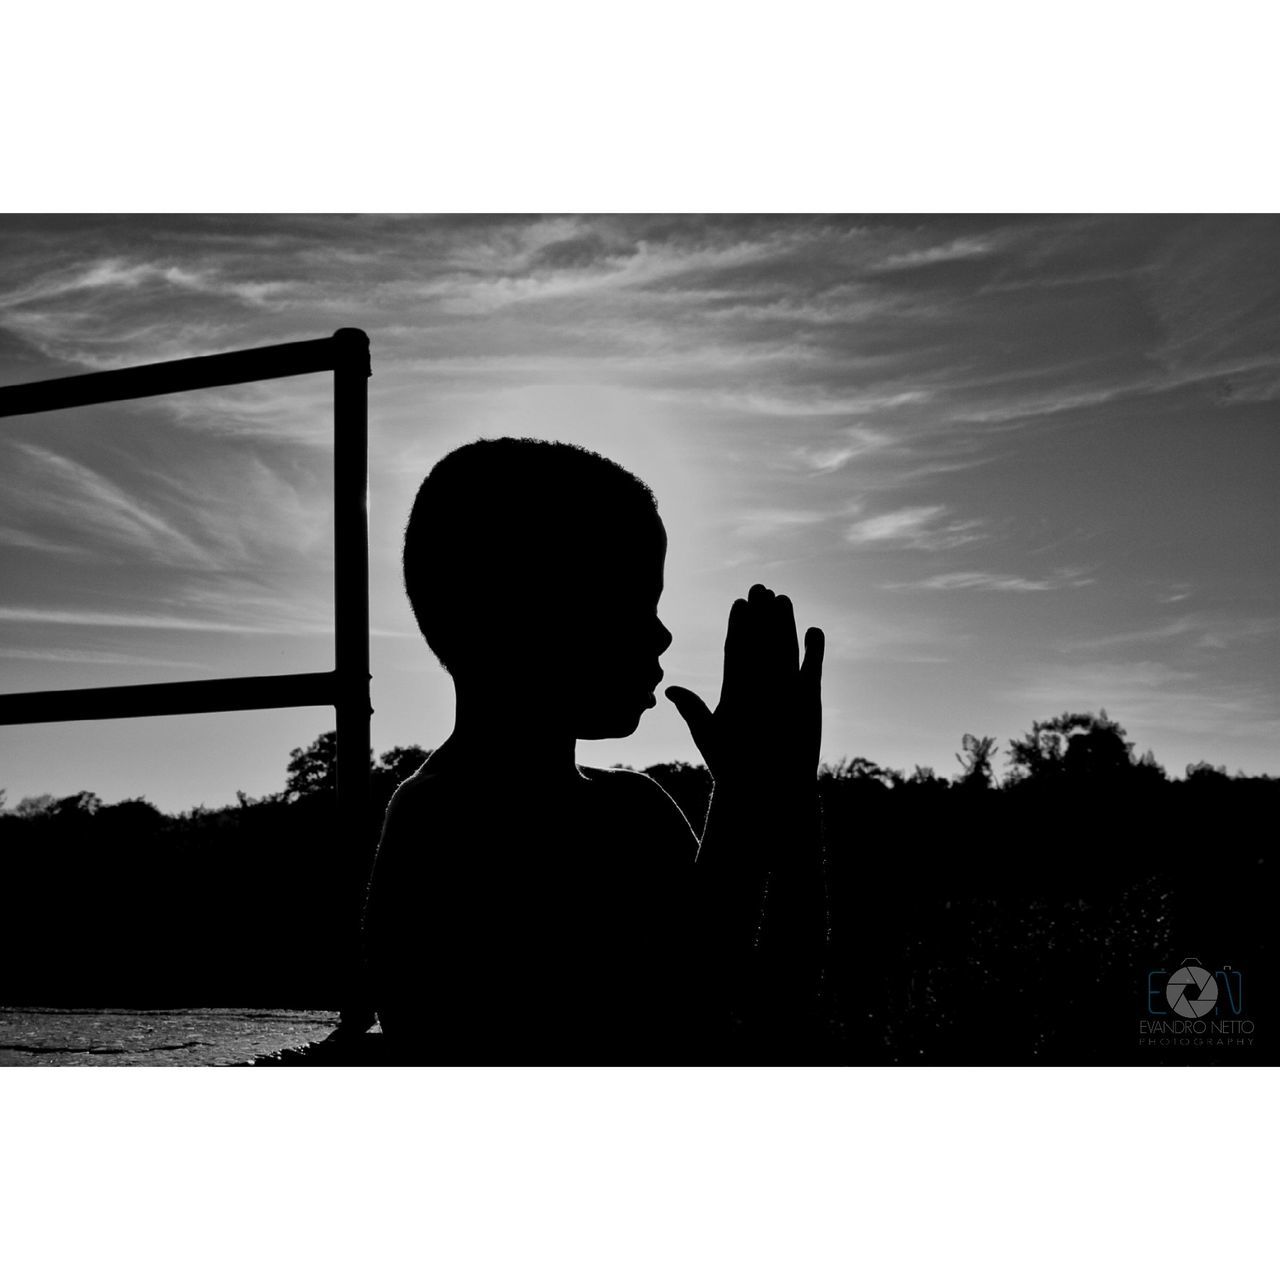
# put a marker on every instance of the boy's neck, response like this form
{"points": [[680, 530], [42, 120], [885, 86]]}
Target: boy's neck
{"points": [[493, 730]]}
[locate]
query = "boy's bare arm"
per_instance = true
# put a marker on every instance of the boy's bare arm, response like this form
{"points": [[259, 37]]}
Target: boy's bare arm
{"points": [[424, 920], [760, 854]]}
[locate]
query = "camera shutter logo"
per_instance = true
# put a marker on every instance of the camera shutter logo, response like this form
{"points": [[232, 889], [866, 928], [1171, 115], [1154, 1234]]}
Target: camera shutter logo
{"points": [[1191, 990]]}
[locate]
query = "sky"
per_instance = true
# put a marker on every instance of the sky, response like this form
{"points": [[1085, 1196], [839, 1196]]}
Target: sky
{"points": [[1013, 466]]}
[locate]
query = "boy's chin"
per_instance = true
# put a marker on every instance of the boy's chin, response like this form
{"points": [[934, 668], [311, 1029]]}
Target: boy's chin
{"points": [[619, 724]]}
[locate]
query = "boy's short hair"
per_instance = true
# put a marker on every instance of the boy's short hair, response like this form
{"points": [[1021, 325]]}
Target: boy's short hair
{"points": [[499, 526]]}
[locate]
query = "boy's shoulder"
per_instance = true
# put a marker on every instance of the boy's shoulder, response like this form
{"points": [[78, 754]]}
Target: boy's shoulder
{"points": [[623, 782], [644, 796], [425, 791], [433, 796], [632, 780], [430, 789]]}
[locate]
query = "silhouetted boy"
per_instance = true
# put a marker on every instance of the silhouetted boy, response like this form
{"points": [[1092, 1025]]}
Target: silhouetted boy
{"points": [[524, 909]]}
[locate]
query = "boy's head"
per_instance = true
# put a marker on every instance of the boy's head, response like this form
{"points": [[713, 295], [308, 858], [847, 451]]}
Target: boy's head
{"points": [[534, 567]]}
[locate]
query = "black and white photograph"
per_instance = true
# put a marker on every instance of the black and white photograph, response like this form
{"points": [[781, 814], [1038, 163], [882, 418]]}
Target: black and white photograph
{"points": [[681, 599], [789, 639]]}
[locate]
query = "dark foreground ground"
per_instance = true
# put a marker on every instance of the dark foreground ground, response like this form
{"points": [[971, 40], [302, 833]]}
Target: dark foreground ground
{"points": [[44, 1037], [1034, 925]]}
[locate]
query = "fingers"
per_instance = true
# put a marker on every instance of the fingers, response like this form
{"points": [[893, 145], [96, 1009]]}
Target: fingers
{"points": [[752, 646], [774, 620], [739, 647], [762, 652], [770, 701], [785, 627], [815, 647], [695, 714]]}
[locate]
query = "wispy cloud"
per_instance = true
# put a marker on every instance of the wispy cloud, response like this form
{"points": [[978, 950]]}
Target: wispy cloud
{"points": [[1015, 408], [122, 274], [93, 657], [1216, 300], [126, 310], [144, 621], [99, 508], [1143, 635], [583, 263], [852, 442], [952, 251], [772, 522], [974, 581], [265, 508], [204, 512], [28, 540], [1155, 696], [292, 411], [801, 403], [919, 528], [1199, 630], [1225, 633]]}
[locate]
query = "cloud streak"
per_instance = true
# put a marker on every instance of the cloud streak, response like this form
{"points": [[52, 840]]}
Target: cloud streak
{"points": [[114, 274], [918, 528], [853, 442], [953, 251], [977, 581], [134, 621], [100, 509], [1156, 697], [93, 657], [776, 522]]}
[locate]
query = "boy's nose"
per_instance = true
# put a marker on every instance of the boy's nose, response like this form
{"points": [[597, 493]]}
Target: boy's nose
{"points": [[664, 638]]}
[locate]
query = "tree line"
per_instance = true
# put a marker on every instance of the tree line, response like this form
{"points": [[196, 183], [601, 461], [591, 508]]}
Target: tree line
{"points": [[1075, 747], [1006, 913]]}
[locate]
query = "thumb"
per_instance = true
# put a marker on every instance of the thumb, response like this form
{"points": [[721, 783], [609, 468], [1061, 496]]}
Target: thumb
{"points": [[695, 712]]}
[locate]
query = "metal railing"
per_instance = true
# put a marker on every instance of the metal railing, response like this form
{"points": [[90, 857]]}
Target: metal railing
{"points": [[346, 687]]}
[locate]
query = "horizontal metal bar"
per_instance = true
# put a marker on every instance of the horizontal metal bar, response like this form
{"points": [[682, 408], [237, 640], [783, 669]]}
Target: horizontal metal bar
{"points": [[285, 360], [174, 698]]}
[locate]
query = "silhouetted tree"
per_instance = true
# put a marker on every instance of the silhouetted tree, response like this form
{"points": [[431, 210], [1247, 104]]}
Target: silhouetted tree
{"points": [[34, 806], [1098, 751], [1079, 744], [925, 778], [975, 757], [859, 770], [134, 816], [84, 804], [313, 770], [1151, 767], [401, 763], [1202, 773]]}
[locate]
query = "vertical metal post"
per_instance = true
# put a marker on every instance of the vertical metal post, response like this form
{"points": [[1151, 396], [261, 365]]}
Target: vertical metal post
{"points": [[351, 375], [347, 685]]}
